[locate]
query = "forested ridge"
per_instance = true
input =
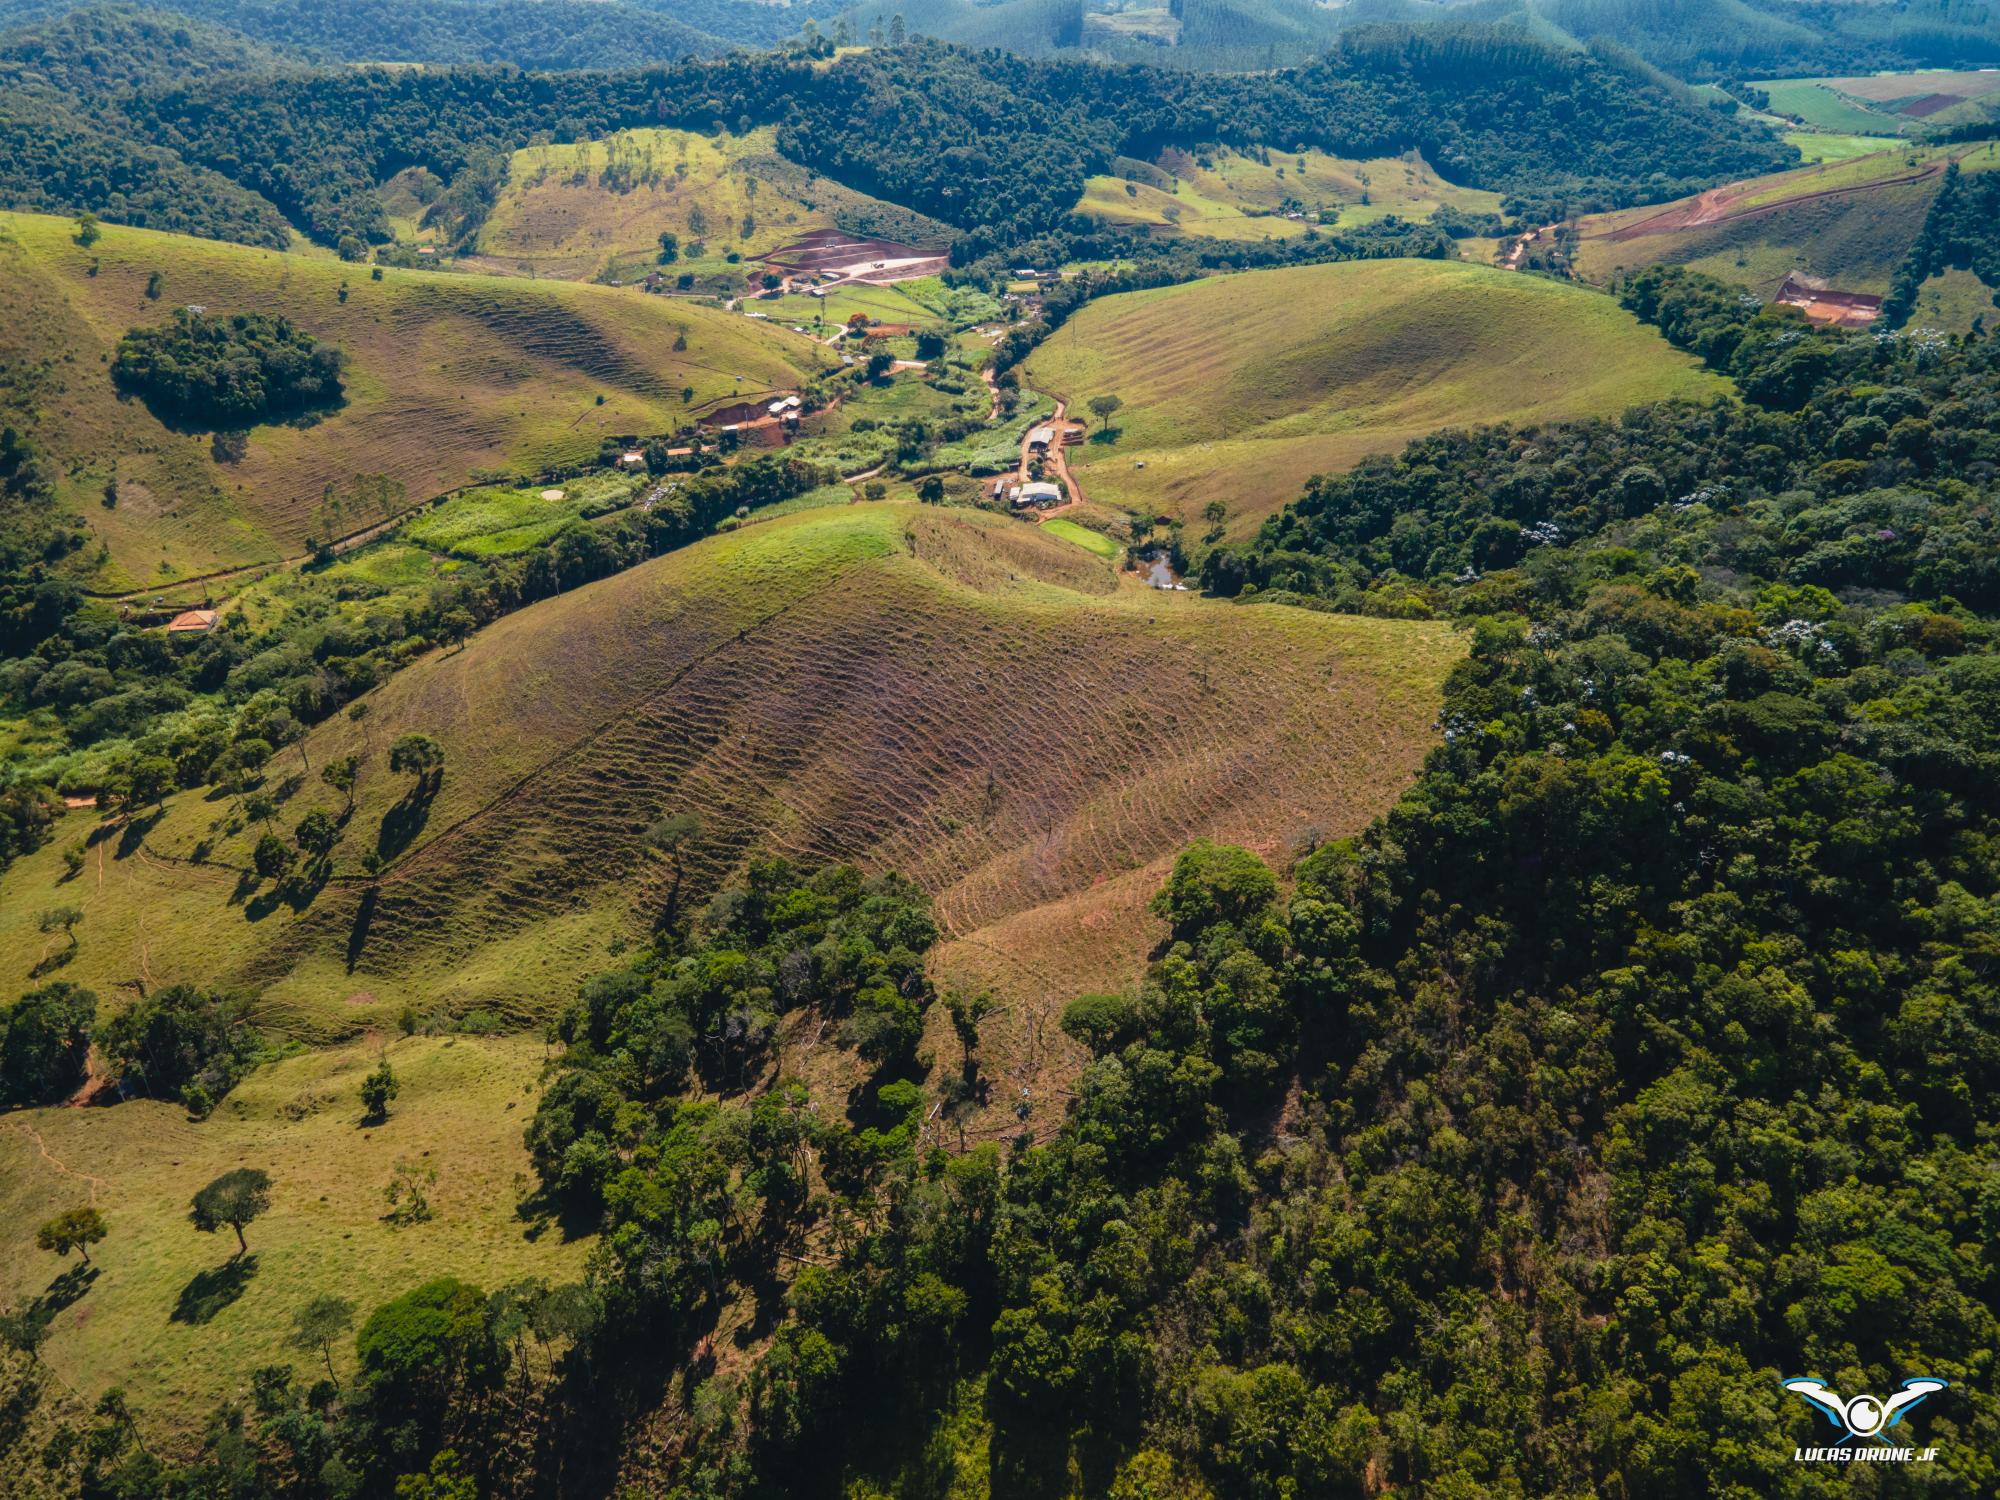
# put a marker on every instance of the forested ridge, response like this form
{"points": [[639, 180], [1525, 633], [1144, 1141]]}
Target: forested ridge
{"points": [[523, 33], [996, 145]]}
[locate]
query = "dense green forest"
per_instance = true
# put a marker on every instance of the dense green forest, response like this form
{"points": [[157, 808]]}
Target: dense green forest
{"points": [[994, 144], [524, 33]]}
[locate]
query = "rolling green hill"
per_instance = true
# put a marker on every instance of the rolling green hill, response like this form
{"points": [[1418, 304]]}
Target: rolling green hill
{"points": [[1263, 193], [1238, 388], [446, 375], [948, 693]]}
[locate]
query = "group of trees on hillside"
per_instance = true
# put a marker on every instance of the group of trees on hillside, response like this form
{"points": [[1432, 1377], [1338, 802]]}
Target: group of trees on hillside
{"points": [[227, 372]]}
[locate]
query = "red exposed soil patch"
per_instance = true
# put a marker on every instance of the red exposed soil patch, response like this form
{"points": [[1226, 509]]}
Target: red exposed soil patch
{"points": [[1928, 105]]}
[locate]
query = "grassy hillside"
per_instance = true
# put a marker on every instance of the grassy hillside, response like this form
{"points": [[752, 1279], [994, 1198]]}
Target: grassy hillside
{"points": [[446, 375], [946, 692], [1238, 388], [599, 206], [1235, 195], [164, 1317], [1849, 220]]}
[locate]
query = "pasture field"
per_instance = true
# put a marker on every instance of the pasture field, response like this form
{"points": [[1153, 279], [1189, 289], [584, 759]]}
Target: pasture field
{"points": [[1235, 195], [1819, 103], [448, 375], [1951, 301], [938, 690], [168, 1315], [597, 208], [1238, 388], [1817, 148]]}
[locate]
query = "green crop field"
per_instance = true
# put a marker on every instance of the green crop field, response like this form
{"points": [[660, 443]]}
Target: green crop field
{"points": [[1083, 536], [167, 1316], [1241, 196], [584, 210], [1238, 388], [942, 691], [447, 375]]}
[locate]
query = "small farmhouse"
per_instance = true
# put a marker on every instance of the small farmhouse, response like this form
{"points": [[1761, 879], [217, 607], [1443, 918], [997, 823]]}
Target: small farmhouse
{"points": [[192, 622], [1039, 494], [1041, 439]]}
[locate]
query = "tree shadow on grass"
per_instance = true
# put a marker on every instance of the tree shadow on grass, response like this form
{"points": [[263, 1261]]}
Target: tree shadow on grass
{"points": [[49, 963], [210, 1291], [66, 1290], [364, 918], [403, 822], [1106, 437], [134, 832]]}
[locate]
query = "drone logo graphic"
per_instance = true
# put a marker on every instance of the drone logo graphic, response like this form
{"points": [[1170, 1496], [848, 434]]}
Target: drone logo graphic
{"points": [[1864, 1416]]}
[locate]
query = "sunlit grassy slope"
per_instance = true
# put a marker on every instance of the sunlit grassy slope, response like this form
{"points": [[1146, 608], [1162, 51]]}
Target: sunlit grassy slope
{"points": [[578, 210], [166, 1316], [944, 692], [447, 374], [1239, 196], [1240, 387]]}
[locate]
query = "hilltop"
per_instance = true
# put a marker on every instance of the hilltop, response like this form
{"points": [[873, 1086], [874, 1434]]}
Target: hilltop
{"points": [[447, 375], [944, 692], [1239, 388]]}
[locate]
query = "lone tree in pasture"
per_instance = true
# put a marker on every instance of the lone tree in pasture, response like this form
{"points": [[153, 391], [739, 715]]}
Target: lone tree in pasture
{"points": [[316, 834], [271, 859], [63, 919], [88, 230], [1103, 407], [340, 774], [321, 1324], [377, 1089], [454, 625], [75, 1229], [419, 756], [234, 1198], [409, 1191]]}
